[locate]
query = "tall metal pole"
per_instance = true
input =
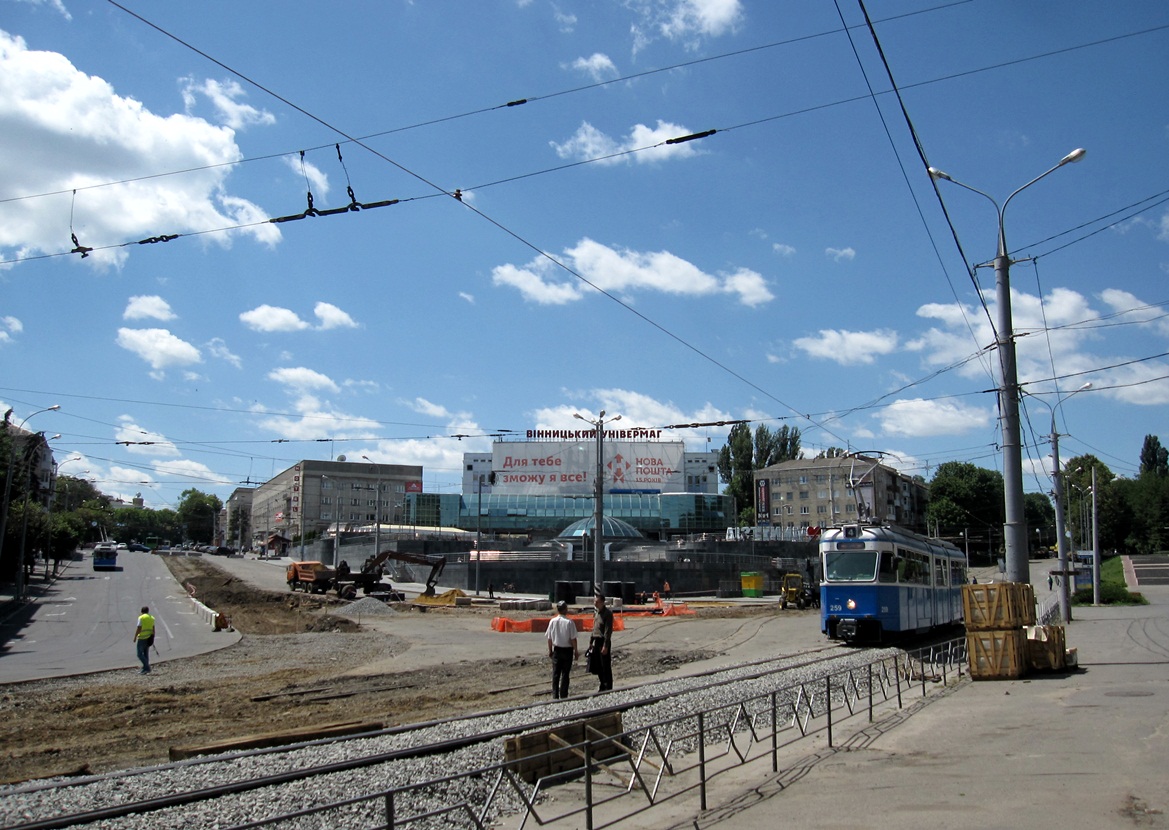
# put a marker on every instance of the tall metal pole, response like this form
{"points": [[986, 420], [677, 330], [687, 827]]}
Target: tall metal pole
{"points": [[377, 509], [599, 507], [1015, 524], [478, 532], [1065, 604], [598, 495], [1095, 545]]}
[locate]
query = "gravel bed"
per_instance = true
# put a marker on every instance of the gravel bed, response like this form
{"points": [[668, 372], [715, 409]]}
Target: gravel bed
{"points": [[27, 803]]}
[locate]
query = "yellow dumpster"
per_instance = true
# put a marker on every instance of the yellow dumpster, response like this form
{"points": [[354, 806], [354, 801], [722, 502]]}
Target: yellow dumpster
{"points": [[752, 583]]}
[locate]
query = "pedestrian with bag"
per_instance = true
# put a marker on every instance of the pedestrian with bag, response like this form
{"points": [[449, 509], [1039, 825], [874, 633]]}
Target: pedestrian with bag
{"points": [[601, 642], [562, 648], [144, 638]]}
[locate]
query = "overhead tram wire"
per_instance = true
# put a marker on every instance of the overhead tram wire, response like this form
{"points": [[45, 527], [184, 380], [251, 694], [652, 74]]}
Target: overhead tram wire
{"points": [[540, 252], [85, 251], [919, 147], [486, 109], [609, 82]]}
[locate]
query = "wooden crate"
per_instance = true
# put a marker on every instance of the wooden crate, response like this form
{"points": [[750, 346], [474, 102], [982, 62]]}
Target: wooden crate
{"points": [[998, 606], [1046, 648], [997, 655], [550, 751]]}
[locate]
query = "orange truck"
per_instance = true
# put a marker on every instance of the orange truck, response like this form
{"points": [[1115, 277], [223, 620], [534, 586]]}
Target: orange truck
{"points": [[310, 577]]}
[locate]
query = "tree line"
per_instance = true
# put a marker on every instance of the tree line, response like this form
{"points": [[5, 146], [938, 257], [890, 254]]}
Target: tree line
{"points": [[76, 513]]}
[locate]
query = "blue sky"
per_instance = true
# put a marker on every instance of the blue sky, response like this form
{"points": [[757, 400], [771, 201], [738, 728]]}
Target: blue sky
{"points": [[794, 267]]}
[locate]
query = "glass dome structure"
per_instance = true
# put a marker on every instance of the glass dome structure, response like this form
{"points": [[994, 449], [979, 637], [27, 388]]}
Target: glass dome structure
{"points": [[611, 528]]}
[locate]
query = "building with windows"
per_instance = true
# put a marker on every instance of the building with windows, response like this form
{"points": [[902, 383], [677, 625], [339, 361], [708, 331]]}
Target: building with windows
{"points": [[312, 497], [821, 492], [536, 487]]}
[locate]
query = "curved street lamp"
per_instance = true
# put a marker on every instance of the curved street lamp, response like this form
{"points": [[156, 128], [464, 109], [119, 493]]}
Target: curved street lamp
{"points": [[598, 494], [19, 591], [1065, 603], [1015, 524]]}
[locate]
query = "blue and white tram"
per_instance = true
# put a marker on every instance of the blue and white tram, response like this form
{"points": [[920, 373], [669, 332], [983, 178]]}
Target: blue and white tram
{"points": [[881, 582]]}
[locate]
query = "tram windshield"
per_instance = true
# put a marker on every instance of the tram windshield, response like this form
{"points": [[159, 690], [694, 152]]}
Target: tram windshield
{"points": [[850, 565]]}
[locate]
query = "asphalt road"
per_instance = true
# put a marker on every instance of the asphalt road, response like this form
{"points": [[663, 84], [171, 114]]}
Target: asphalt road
{"points": [[84, 620]]}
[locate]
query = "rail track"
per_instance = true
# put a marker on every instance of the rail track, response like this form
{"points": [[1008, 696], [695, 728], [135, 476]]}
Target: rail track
{"points": [[204, 780]]}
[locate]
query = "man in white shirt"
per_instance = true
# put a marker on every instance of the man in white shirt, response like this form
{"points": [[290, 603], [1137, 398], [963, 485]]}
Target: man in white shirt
{"points": [[562, 649]]}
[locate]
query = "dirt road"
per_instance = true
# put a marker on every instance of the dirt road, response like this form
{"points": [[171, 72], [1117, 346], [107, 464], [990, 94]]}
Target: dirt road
{"points": [[307, 659]]}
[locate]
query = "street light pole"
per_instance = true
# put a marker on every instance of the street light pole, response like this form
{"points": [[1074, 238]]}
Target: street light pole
{"points": [[1065, 603], [598, 495], [1015, 523], [377, 510], [1095, 545]]}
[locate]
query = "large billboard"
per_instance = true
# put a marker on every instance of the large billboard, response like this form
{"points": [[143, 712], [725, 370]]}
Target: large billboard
{"points": [[569, 468]]}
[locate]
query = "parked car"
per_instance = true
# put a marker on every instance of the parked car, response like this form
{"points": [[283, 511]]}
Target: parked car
{"points": [[138, 547]]}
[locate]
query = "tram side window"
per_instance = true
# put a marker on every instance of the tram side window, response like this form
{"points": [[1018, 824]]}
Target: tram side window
{"points": [[887, 572], [939, 573], [913, 568]]}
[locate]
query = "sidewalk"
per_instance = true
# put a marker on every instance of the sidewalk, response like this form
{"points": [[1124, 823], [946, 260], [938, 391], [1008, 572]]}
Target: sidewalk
{"points": [[1084, 748]]}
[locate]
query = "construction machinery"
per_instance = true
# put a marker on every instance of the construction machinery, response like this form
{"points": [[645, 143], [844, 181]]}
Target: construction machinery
{"points": [[310, 577], [373, 567], [791, 592]]}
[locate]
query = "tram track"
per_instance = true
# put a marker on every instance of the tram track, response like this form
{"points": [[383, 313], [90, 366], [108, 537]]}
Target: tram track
{"points": [[443, 737]]}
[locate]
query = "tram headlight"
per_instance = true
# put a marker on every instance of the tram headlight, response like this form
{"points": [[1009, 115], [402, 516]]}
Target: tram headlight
{"points": [[851, 604]]}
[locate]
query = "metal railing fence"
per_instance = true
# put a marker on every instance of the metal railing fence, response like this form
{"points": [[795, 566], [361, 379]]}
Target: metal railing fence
{"points": [[609, 779]]}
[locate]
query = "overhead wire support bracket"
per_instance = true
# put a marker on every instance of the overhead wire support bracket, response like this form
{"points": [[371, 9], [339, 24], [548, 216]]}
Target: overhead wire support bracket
{"points": [[691, 137]]}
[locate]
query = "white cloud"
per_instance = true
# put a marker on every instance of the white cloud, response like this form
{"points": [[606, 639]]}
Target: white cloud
{"points": [[145, 307], [267, 318], [566, 21], [623, 270], [224, 97], [218, 348], [597, 66], [783, 250], [318, 181], [141, 441], [50, 110], [590, 143], [687, 21], [1128, 308], [158, 347], [302, 379], [923, 419], [199, 474], [849, 348], [8, 327], [470, 298], [332, 317], [841, 254], [317, 419], [430, 410], [272, 318], [57, 5]]}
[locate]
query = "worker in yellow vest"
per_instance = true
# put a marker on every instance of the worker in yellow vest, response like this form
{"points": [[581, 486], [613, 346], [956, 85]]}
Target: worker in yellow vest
{"points": [[144, 638]]}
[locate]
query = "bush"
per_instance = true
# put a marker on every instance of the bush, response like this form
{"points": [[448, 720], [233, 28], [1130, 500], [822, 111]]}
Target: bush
{"points": [[1110, 594]]}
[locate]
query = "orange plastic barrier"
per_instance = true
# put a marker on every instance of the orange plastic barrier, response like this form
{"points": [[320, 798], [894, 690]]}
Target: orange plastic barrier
{"points": [[538, 625]]}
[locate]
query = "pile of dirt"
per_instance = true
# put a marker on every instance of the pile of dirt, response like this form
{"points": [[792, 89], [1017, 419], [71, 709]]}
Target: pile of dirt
{"points": [[253, 610]]}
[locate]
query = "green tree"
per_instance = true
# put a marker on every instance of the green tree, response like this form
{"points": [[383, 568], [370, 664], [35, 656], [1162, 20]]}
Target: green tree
{"points": [[966, 500], [1154, 457], [197, 513], [1039, 513], [239, 526], [743, 454]]}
